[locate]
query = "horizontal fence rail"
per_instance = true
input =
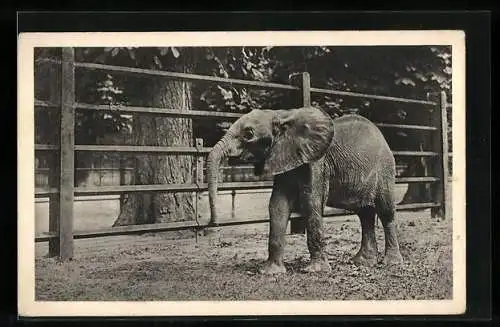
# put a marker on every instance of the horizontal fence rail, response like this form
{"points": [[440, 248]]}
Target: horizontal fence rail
{"points": [[194, 113], [241, 82], [403, 126], [98, 190], [61, 189], [160, 111], [142, 149], [182, 150], [181, 225], [372, 97], [185, 76], [46, 147]]}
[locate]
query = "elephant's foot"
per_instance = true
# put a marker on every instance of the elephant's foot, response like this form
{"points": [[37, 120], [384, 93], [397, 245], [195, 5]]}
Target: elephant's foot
{"points": [[272, 268], [317, 265], [365, 259], [392, 258]]}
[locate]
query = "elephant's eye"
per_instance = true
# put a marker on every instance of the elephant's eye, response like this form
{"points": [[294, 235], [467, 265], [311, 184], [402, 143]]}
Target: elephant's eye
{"points": [[248, 133]]}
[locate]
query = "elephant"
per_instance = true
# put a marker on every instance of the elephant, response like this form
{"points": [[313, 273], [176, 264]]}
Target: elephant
{"points": [[315, 161]]}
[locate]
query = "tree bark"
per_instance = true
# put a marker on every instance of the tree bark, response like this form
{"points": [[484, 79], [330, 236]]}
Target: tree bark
{"points": [[144, 208]]}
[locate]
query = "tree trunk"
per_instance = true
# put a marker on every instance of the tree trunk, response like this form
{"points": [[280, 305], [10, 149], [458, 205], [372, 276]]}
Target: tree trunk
{"points": [[144, 208]]}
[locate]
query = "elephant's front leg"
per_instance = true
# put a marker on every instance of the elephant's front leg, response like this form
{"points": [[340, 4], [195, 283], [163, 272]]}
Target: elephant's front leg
{"points": [[280, 206], [313, 203]]}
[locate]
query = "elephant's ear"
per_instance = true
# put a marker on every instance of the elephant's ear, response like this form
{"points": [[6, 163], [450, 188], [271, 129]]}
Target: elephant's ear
{"points": [[300, 136]]}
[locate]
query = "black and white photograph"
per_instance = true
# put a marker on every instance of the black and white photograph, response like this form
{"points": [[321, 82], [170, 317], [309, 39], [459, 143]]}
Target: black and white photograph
{"points": [[233, 173]]}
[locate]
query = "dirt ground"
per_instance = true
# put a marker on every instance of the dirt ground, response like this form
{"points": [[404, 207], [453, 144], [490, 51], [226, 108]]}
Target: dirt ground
{"points": [[157, 267]]}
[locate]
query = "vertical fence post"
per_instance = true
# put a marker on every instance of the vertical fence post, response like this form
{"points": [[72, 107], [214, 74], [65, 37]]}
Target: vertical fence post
{"points": [[233, 204], [199, 177], [67, 162], [54, 212], [306, 89], [440, 144], [55, 166], [298, 225]]}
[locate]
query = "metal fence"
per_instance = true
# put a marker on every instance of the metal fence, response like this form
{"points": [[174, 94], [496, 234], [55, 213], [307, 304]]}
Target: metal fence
{"points": [[62, 189]]}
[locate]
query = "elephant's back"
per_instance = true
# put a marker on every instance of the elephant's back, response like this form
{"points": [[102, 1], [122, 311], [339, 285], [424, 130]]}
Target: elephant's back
{"points": [[357, 130], [362, 162], [360, 135]]}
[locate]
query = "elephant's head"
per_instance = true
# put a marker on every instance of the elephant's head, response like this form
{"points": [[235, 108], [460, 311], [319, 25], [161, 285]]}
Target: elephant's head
{"points": [[277, 141]]}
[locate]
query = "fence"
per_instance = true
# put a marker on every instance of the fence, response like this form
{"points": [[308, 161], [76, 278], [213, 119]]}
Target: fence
{"points": [[62, 189], [103, 176]]}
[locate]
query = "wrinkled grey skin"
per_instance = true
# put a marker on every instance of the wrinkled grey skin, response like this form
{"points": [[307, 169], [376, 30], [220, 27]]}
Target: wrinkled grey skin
{"points": [[316, 161]]}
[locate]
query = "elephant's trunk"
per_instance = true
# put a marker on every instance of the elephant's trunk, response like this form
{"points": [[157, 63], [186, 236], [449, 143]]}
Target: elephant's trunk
{"points": [[226, 146]]}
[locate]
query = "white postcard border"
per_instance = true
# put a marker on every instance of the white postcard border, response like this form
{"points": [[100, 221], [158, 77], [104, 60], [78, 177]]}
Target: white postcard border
{"points": [[27, 305]]}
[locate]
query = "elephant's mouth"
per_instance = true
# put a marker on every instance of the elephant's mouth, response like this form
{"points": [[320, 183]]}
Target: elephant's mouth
{"points": [[255, 153], [248, 156], [257, 158]]}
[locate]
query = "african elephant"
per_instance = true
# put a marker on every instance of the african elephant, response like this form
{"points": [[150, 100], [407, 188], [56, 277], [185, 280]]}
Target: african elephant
{"points": [[315, 161]]}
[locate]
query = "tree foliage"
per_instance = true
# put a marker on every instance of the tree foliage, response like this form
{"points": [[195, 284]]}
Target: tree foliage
{"points": [[401, 71]]}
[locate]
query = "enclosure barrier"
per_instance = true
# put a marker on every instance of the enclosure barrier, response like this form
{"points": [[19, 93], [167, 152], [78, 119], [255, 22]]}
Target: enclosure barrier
{"points": [[61, 190]]}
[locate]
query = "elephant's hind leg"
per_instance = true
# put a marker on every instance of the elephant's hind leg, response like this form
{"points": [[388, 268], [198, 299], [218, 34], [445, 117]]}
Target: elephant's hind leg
{"points": [[367, 254], [386, 212]]}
